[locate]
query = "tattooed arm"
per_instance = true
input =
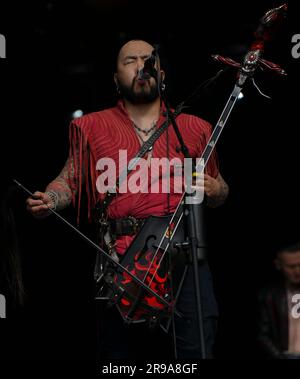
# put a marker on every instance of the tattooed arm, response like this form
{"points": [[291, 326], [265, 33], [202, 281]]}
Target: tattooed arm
{"points": [[58, 194], [216, 190], [60, 186]]}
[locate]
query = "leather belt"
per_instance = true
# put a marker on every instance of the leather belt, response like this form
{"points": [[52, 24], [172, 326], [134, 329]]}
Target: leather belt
{"points": [[125, 226]]}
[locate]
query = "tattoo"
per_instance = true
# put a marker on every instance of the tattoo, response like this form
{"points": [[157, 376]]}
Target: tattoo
{"points": [[61, 185], [216, 201]]}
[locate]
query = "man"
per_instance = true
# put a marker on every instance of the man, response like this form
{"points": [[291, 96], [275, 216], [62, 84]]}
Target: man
{"points": [[279, 324], [125, 128]]}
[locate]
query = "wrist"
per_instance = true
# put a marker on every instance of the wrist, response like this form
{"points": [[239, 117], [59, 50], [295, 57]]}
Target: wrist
{"points": [[53, 198]]}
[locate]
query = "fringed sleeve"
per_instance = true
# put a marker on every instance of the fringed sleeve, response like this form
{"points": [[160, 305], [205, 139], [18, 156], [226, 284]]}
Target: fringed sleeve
{"points": [[83, 171]]}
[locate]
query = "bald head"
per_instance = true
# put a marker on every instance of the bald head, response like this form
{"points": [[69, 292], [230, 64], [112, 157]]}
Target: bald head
{"points": [[131, 59], [135, 47]]}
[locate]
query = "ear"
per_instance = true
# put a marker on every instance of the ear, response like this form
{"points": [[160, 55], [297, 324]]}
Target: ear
{"points": [[116, 79], [162, 75]]}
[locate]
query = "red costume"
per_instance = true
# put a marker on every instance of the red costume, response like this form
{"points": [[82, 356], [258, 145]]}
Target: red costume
{"points": [[105, 133]]}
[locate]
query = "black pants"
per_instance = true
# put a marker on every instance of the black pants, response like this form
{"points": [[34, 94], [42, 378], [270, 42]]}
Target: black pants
{"points": [[136, 341]]}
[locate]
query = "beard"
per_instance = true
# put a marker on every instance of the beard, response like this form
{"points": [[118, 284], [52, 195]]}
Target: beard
{"points": [[145, 94]]}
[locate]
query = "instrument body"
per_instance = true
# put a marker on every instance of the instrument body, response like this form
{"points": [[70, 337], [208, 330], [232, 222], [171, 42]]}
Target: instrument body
{"points": [[161, 266]]}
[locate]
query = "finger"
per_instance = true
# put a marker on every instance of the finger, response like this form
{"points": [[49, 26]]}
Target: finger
{"points": [[36, 199], [33, 203], [38, 195], [210, 179], [38, 208]]}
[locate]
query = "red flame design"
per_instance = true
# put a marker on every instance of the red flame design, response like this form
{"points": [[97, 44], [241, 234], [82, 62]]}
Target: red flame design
{"points": [[125, 302], [157, 281]]}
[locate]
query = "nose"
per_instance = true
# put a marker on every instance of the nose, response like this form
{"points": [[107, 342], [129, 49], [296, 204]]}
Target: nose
{"points": [[140, 64]]}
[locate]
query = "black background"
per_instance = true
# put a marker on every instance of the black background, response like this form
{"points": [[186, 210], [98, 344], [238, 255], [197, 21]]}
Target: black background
{"points": [[60, 57]]}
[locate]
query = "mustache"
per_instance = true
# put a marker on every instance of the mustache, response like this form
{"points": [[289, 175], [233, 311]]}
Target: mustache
{"points": [[137, 78], [135, 81]]}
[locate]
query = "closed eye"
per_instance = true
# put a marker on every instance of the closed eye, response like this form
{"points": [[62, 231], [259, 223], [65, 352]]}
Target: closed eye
{"points": [[132, 58]]}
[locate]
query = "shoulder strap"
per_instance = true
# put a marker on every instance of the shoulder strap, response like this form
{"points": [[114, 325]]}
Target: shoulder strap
{"points": [[110, 195]]}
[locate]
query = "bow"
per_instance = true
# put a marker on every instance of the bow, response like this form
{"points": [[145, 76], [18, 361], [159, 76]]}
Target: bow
{"points": [[252, 60]]}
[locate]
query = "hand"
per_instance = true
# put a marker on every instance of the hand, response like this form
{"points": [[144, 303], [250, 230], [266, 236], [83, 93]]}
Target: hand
{"points": [[216, 189], [212, 186], [208, 184], [38, 205]]}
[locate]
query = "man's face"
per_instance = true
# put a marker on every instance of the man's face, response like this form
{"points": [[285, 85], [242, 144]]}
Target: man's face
{"points": [[289, 263], [131, 59]]}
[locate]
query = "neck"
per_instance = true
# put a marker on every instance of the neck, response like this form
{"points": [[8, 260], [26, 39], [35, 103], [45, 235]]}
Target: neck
{"points": [[143, 112], [293, 287]]}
